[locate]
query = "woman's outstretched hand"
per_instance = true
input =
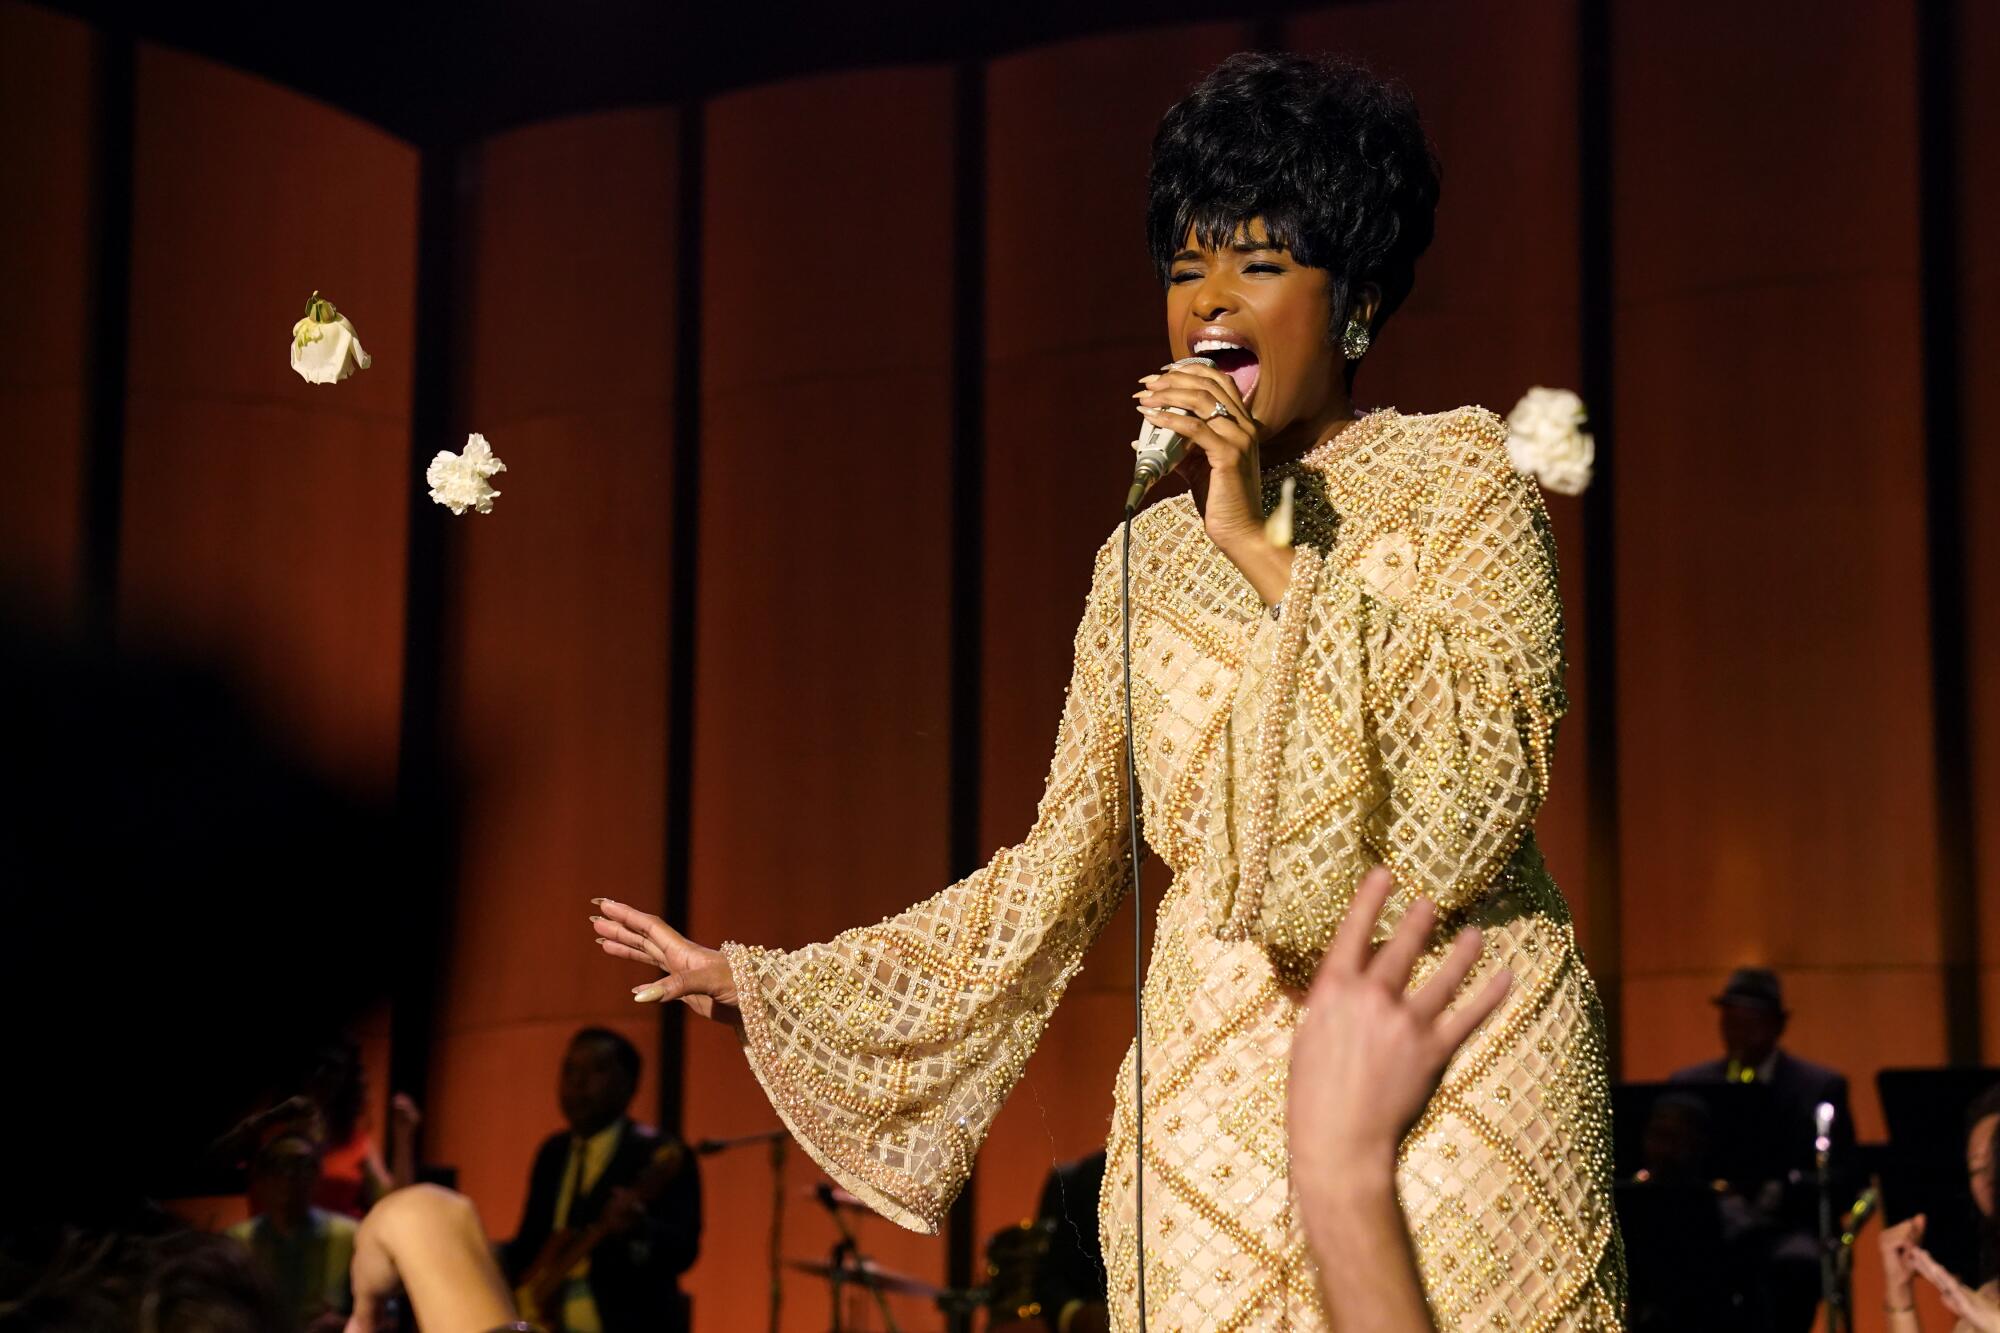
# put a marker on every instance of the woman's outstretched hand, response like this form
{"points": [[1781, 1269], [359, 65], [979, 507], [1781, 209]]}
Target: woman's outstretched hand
{"points": [[698, 977]]}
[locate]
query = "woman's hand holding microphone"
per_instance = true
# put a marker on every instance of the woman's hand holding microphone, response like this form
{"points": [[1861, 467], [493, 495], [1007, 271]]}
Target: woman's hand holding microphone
{"points": [[1213, 418]]}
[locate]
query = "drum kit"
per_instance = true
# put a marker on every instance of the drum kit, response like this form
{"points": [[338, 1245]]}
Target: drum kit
{"points": [[1007, 1296]]}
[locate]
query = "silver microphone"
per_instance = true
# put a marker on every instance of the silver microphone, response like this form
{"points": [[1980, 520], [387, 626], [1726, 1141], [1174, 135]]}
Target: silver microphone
{"points": [[1159, 449]]}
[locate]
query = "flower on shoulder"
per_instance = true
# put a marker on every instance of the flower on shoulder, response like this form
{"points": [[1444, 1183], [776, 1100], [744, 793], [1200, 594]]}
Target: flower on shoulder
{"points": [[325, 349], [460, 481], [1546, 440]]}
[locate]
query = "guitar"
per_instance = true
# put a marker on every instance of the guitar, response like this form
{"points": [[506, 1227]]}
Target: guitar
{"points": [[538, 1295]]}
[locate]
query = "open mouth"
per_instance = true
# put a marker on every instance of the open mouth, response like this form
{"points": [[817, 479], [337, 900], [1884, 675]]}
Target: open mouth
{"points": [[1234, 360]]}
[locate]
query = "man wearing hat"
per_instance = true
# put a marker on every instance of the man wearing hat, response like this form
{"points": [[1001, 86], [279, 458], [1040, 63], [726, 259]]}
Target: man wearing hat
{"points": [[1783, 1204]]}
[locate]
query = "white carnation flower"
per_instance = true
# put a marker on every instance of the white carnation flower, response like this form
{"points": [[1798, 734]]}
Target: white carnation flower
{"points": [[325, 349], [1547, 441], [459, 481]]}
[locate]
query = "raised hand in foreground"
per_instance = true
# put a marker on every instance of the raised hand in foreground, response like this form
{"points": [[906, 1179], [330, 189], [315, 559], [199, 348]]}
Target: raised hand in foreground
{"points": [[698, 977], [427, 1242], [1365, 1059]]}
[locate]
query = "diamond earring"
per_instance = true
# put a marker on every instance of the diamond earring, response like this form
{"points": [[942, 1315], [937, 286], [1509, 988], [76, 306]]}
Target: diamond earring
{"points": [[1354, 341]]}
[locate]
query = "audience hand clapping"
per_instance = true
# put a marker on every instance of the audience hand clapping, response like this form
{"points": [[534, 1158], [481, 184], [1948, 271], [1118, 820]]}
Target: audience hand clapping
{"points": [[1979, 1311]]}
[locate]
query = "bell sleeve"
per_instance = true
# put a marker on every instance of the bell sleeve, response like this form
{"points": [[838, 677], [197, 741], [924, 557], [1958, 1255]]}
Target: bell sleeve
{"points": [[888, 1050], [1404, 703]]}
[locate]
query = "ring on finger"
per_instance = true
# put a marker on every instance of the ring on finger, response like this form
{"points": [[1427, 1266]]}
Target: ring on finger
{"points": [[1220, 411]]}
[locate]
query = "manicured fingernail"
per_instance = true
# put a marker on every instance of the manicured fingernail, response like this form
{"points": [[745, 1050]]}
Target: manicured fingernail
{"points": [[599, 902], [1147, 379], [648, 994]]}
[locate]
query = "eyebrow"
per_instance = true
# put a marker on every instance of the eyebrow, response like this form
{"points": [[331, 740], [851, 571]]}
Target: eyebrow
{"points": [[1240, 247]]}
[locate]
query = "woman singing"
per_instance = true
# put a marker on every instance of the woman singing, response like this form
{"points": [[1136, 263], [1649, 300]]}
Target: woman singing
{"points": [[1385, 689]]}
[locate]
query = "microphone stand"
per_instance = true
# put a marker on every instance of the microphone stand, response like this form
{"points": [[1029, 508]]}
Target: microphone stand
{"points": [[777, 1139], [847, 1248], [1133, 797], [836, 1262], [776, 1243], [1850, 1231], [1159, 450], [1839, 1319]]}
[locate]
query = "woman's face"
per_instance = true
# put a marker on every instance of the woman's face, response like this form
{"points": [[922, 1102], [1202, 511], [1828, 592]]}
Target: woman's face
{"points": [[1263, 317], [1979, 1162]]}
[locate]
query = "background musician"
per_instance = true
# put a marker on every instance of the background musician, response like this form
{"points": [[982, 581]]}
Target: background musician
{"points": [[1777, 1233], [303, 1251], [589, 1174]]}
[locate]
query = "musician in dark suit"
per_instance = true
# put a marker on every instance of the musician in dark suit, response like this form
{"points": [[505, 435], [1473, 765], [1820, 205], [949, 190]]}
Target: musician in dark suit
{"points": [[592, 1173], [1779, 1211]]}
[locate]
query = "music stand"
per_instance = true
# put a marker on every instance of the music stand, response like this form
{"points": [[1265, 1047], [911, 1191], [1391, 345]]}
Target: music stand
{"points": [[1677, 1266], [1923, 1170], [1739, 1128]]}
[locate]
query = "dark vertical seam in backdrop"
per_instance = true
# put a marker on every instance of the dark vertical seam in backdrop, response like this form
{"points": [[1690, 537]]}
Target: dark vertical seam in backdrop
{"points": [[428, 815], [1944, 475], [113, 97], [1596, 318], [968, 531], [683, 549]]}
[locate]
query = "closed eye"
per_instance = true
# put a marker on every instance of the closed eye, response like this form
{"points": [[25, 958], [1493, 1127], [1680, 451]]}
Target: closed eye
{"points": [[1190, 274]]}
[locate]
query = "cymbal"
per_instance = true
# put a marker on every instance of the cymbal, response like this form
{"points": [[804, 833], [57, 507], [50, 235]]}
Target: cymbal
{"points": [[868, 1272]]}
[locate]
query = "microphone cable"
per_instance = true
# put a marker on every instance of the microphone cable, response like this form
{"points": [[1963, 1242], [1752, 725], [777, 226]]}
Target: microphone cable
{"points": [[1138, 930], [1140, 485]]}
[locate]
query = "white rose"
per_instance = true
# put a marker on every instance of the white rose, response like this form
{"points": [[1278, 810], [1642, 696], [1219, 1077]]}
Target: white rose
{"points": [[325, 349], [1547, 442], [459, 481]]}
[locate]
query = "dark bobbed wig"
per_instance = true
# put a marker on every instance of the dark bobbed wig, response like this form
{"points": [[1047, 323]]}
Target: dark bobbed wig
{"points": [[1332, 158]]}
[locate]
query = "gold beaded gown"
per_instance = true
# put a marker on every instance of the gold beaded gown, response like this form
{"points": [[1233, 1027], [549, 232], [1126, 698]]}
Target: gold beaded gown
{"points": [[1397, 708]]}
